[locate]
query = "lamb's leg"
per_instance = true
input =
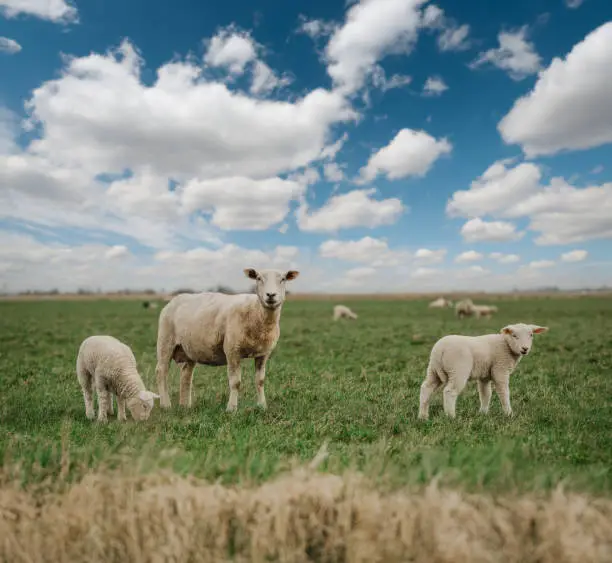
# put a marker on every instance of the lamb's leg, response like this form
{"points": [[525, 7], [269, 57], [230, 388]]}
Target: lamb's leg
{"points": [[456, 384], [234, 376], [186, 383], [121, 417], [260, 377], [102, 403], [502, 387], [110, 404], [164, 355], [429, 386], [86, 381], [484, 391]]}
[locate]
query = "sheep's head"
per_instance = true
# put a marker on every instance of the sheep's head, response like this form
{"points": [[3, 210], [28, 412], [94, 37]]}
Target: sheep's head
{"points": [[141, 405], [519, 336], [271, 285]]}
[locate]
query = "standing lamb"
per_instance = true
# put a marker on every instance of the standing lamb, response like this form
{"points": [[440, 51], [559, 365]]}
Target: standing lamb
{"points": [[464, 308], [342, 311], [110, 365], [489, 358], [217, 329], [483, 310]]}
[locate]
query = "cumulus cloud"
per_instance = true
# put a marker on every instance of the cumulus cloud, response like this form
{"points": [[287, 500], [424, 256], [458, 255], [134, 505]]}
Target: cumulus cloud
{"points": [[451, 36], [372, 29], [410, 153], [9, 46], [333, 172], [539, 264], [57, 11], [468, 256], [434, 86], [369, 250], [477, 230], [570, 106], [574, 256], [562, 213], [505, 258], [232, 49], [515, 54], [357, 208], [573, 4], [428, 256]]}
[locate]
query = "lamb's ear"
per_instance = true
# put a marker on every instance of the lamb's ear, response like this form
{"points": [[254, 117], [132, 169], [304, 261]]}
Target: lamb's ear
{"points": [[146, 395], [250, 273], [506, 330], [291, 275], [538, 329]]}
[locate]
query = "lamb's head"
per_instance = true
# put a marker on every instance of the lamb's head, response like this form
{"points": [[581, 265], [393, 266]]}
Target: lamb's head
{"points": [[141, 405], [519, 336], [271, 285]]}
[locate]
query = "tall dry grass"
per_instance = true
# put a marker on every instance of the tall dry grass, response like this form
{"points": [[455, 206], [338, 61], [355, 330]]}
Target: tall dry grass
{"points": [[303, 516]]}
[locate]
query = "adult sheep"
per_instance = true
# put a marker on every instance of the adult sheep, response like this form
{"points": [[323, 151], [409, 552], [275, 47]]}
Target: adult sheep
{"points": [[217, 329]]}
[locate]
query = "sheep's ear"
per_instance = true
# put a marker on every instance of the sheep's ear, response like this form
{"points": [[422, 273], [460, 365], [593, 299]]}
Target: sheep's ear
{"points": [[538, 329], [291, 275], [506, 330], [250, 273], [146, 395]]}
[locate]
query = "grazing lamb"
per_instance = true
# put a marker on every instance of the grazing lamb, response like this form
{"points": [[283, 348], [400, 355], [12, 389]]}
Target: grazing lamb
{"points": [[218, 329], [489, 358], [440, 303], [110, 365], [342, 311], [483, 310], [464, 308]]}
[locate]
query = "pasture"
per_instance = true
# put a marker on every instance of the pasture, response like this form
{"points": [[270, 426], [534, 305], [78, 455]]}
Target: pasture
{"points": [[352, 384]]}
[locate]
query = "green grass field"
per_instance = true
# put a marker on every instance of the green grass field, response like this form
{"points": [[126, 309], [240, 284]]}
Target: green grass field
{"points": [[354, 384]]}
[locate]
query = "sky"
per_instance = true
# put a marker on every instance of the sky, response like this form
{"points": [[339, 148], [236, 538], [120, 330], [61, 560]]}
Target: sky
{"points": [[373, 145]]}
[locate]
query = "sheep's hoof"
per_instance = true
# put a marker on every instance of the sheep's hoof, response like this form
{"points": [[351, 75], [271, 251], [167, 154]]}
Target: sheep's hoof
{"points": [[231, 408], [90, 415]]}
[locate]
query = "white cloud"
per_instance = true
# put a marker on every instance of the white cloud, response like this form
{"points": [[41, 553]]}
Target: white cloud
{"points": [[117, 251], [315, 28], [573, 4], [469, 256], [539, 264], [477, 230], [574, 256], [231, 49], [361, 272], [58, 11], [570, 106], [333, 172], [368, 250], [423, 272], [515, 54], [372, 30], [561, 213], [352, 209], [283, 228], [410, 153], [505, 258], [429, 256], [241, 203], [265, 80], [597, 169], [434, 86], [9, 46], [451, 36]]}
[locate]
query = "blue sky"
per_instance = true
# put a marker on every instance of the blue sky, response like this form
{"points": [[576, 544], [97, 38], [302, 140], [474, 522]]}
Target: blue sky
{"points": [[379, 145]]}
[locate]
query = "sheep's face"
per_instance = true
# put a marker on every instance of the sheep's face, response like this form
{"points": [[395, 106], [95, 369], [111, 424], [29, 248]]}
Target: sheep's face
{"points": [[270, 285], [520, 337], [141, 406]]}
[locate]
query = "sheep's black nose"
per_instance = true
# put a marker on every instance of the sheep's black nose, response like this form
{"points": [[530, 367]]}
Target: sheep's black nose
{"points": [[270, 295], [524, 350]]}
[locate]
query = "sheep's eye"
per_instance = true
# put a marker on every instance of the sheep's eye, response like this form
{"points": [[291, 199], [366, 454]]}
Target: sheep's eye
{"points": [[515, 335]]}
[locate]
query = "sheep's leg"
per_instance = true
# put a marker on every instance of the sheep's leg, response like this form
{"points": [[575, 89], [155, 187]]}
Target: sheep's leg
{"points": [[121, 417], [102, 404], [110, 410], [186, 383], [484, 391], [260, 377], [164, 355], [453, 388], [86, 381], [502, 387], [234, 376], [428, 388]]}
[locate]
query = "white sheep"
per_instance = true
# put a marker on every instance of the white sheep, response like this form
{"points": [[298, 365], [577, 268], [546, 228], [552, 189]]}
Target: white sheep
{"points": [[342, 311], [110, 365], [464, 308], [483, 310], [440, 303], [489, 358], [217, 329]]}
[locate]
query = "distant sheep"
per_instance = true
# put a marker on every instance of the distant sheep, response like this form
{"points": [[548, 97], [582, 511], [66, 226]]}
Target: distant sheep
{"points": [[342, 311], [440, 303], [110, 366], [149, 305], [464, 308], [484, 310], [489, 358], [217, 329]]}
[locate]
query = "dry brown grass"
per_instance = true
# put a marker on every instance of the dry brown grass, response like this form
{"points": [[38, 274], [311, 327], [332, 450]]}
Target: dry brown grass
{"points": [[302, 516]]}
